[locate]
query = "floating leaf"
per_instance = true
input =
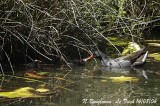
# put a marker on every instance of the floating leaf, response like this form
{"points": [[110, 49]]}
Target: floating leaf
{"points": [[25, 92], [122, 79], [42, 90], [156, 56], [33, 74]]}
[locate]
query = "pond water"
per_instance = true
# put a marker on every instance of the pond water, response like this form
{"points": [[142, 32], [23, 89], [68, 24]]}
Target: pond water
{"points": [[91, 85]]}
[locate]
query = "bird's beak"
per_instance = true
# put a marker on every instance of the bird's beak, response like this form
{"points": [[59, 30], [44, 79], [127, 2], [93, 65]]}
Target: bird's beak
{"points": [[88, 58]]}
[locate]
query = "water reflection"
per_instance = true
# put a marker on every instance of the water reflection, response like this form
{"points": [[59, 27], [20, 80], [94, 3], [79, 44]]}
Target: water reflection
{"points": [[110, 71], [88, 86]]}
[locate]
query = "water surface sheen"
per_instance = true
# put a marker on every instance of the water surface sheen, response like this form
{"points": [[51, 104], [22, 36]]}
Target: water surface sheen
{"points": [[91, 85]]}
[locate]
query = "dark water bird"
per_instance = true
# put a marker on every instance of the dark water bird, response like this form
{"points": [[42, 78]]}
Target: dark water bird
{"points": [[137, 58]]}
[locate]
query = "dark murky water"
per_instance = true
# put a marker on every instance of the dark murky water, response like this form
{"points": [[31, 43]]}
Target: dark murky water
{"points": [[89, 86]]}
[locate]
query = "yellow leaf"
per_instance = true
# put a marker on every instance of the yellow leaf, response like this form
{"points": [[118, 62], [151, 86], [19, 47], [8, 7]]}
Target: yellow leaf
{"points": [[42, 90], [156, 56], [24, 92], [122, 79]]}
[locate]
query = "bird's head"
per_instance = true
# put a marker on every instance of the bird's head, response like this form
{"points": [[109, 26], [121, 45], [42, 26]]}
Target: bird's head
{"points": [[97, 54]]}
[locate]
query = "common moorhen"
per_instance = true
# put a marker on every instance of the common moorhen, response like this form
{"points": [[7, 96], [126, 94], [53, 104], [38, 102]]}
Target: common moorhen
{"points": [[135, 59]]}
